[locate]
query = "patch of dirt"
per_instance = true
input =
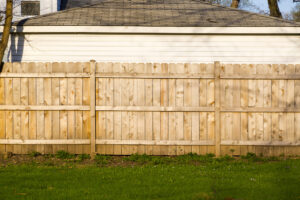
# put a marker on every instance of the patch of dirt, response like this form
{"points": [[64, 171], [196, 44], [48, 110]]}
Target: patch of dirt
{"points": [[102, 161], [47, 160], [51, 160]]}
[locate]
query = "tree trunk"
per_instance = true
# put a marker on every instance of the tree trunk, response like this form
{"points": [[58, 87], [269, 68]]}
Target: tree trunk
{"points": [[7, 27], [235, 3], [274, 9]]}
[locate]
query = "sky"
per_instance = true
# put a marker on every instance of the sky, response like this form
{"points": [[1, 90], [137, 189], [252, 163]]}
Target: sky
{"points": [[285, 6]]}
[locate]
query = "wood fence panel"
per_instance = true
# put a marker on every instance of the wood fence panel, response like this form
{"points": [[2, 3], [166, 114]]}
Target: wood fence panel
{"points": [[42, 125], [152, 108], [258, 127], [141, 129]]}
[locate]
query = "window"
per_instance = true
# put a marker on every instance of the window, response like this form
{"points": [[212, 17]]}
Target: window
{"points": [[30, 8]]}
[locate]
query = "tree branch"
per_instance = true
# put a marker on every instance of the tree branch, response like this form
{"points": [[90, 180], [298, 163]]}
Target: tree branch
{"points": [[235, 3], [274, 9], [7, 27]]}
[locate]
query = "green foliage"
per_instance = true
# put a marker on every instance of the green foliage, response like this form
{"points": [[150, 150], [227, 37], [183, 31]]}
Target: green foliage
{"points": [[64, 155], [142, 159], [35, 154], [252, 157], [225, 158], [194, 158], [49, 163], [158, 160], [49, 155], [83, 157], [146, 159], [272, 158], [102, 159], [249, 155], [281, 155]]}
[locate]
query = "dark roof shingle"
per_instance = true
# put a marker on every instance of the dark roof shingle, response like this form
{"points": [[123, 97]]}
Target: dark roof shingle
{"points": [[156, 13]]}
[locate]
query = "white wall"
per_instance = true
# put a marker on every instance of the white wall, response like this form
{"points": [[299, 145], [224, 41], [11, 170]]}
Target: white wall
{"points": [[47, 6], [155, 48]]}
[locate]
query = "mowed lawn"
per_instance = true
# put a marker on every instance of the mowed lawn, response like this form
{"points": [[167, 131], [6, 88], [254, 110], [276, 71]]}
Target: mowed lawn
{"points": [[145, 177]]}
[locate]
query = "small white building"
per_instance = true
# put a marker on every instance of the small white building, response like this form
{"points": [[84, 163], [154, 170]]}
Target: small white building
{"points": [[155, 31], [29, 8]]}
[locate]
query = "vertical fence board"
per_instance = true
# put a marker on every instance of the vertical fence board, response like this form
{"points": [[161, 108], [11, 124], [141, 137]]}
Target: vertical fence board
{"points": [[71, 114], [172, 115], [92, 117], [117, 115], [164, 116], [217, 110], [48, 114], [141, 99], [148, 115], [86, 132], [63, 115], [212, 129], [9, 129], [2, 115], [16, 101], [2, 131], [187, 116], [25, 114], [78, 114], [156, 102], [195, 101], [109, 116], [55, 114]]}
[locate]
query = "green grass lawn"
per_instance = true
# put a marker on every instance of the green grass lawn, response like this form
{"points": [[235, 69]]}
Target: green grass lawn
{"points": [[147, 177]]}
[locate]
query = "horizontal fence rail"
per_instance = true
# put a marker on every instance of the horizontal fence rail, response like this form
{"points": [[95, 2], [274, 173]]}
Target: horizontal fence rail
{"points": [[152, 108]]}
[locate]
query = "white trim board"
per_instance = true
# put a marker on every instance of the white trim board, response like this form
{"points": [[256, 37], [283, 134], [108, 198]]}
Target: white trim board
{"points": [[154, 30]]}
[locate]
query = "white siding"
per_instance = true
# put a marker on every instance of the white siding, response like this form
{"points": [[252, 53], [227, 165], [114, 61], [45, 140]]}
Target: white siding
{"points": [[155, 48]]}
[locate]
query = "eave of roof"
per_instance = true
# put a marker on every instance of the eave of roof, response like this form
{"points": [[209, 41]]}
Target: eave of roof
{"points": [[155, 30]]}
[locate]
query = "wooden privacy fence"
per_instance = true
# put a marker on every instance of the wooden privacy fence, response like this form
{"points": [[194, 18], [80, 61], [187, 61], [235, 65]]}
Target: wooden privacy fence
{"points": [[158, 109]]}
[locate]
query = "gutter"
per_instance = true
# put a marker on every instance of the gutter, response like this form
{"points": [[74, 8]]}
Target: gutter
{"points": [[155, 30]]}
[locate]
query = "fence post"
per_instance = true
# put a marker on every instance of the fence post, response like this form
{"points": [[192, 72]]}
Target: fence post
{"points": [[217, 109], [93, 106]]}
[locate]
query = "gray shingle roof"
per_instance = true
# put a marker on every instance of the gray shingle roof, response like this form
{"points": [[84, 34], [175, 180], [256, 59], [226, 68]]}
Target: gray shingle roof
{"points": [[156, 13]]}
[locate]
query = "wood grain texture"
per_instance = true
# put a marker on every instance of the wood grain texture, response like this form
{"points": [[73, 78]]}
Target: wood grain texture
{"points": [[152, 108]]}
